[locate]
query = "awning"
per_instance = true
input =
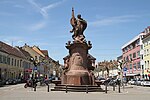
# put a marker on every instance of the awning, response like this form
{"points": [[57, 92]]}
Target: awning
{"points": [[132, 74]]}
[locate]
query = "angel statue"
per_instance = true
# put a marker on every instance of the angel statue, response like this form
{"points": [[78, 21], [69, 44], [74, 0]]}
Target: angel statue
{"points": [[79, 25]]}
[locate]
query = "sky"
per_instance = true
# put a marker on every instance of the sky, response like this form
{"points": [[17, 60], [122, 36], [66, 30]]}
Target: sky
{"points": [[46, 23]]}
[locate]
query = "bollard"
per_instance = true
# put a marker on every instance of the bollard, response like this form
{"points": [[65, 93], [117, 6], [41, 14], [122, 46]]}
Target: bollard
{"points": [[119, 88], [106, 88], [34, 87], [119, 84], [66, 89], [48, 88], [86, 88], [113, 87]]}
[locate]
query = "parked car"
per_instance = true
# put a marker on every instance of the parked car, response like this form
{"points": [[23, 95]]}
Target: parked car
{"points": [[2, 83], [142, 83], [138, 82], [111, 81], [146, 83], [18, 81], [52, 78], [101, 79], [132, 82], [11, 81]]}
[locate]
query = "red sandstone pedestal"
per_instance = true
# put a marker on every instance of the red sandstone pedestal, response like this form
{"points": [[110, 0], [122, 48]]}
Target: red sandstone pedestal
{"points": [[78, 64]]}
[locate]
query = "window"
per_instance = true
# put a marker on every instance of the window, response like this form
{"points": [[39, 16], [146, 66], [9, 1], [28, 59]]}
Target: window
{"points": [[131, 46], [130, 56], [4, 60], [15, 62], [127, 58], [148, 64], [141, 57], [18, 63], [1, 60], [141, 47], [8, 60], [138, 66], [147, 52], [142, 67], [130, 66], [145, 65], [137, 42], [134, 66], [144, 52], [138, 53], [12, 62], [134, 55]]}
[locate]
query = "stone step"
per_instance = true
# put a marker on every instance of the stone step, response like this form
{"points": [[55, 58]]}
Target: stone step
{"points": [[83, 90], [80, 88], [76, 88], [77, 85]]}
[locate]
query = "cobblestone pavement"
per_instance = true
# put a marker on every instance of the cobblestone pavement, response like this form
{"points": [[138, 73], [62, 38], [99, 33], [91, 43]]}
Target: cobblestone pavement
{"points": [[18, 92]]}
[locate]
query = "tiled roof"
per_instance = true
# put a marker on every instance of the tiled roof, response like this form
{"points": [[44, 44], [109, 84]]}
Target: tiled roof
{"points": [[11, 50], [45, 52], [132, 40], [24, 52], [148, 34], [2, 49], [37, 49]]}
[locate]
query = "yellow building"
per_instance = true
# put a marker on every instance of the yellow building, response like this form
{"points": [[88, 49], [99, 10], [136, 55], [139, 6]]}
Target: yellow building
{"points": [[12, 62], [46, 66], [146, 56]]}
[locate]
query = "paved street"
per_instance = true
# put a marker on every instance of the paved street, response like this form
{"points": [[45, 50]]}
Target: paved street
{"points": [[17, 92]]}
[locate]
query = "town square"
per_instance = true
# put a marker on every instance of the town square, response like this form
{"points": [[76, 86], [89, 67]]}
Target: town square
{"points": [[74, 49]]}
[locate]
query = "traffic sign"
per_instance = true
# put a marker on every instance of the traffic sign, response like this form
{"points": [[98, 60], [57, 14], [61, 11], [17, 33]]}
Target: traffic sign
{"points": [[35, 68], [125, 69]]}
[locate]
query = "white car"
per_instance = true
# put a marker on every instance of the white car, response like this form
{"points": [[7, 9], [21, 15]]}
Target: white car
{"points": [[146, 83], [132, 82]]}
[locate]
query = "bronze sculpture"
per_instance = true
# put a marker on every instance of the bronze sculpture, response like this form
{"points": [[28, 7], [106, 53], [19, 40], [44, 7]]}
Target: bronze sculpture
{"points": [[79, 25]]}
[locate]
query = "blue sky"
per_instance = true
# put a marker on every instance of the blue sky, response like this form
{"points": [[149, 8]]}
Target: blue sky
{"points": [[46, 23]]}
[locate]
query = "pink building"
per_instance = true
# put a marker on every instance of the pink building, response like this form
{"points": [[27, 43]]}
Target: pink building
{"points": [[131, 58]]}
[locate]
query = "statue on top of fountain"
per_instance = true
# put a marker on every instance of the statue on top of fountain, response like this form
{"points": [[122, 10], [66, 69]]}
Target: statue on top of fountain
{"points": [[79, 25]]}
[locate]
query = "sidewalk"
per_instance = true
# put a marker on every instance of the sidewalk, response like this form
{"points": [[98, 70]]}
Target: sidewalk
{"points": [[41, 93]]}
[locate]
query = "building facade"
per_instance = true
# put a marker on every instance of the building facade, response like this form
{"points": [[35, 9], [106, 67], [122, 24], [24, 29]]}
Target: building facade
{"points": [[146, 56], [46, 66], [37, 70], [11, 62], [131, 58]]}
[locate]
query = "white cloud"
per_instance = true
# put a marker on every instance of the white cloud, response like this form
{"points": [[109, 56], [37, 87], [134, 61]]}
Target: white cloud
{"points": [[37, 26], [13, 40], [113, 20], [44, 10]]}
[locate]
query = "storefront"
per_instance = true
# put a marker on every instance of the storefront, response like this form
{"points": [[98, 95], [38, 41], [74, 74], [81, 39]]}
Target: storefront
{"points": [[147, 75]]}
